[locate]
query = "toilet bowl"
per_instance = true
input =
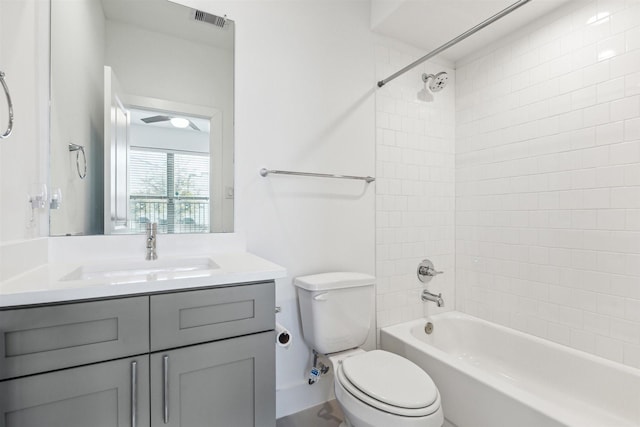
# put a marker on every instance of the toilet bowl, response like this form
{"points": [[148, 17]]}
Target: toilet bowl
{"points": [[379, 388], [374, 388]]}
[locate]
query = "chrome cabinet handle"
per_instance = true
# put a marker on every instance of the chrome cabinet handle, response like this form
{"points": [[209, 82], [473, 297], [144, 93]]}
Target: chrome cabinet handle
{"points": [[134, 394], [165, 391]]}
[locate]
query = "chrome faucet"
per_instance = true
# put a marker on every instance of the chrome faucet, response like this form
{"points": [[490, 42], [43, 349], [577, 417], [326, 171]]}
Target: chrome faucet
{"points": [[428, 296], [152, 231]]}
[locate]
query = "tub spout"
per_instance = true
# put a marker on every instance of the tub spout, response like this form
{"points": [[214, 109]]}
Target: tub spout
{"points": [[428, 296]]}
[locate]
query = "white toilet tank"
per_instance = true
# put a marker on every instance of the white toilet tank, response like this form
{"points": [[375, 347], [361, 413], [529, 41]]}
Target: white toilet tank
{"points": [[336, 309]]}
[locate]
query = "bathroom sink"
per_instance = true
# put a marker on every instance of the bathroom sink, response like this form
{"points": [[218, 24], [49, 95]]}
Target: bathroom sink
{"points": [[137, 271]]}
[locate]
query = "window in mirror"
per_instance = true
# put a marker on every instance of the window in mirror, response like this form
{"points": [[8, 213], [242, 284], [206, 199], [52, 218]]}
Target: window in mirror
{"points": [[168, 173]]}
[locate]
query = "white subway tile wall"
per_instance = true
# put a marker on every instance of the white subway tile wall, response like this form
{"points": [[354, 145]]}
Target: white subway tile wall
{"points": [[415, 189], [548, 181]]}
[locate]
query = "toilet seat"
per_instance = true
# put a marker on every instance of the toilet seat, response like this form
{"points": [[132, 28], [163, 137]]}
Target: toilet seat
{"points": [[401, 388]]}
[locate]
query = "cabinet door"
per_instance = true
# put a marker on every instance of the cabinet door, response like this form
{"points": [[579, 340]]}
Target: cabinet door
{"points": [[228, 383], [108, 394]]}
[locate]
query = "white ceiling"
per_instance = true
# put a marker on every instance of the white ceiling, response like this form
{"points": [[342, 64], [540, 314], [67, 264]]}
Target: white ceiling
{"points": [[428, 24]]}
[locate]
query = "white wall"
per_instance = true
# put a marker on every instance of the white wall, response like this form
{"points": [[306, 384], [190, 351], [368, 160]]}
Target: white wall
{"points": [[173, 69], [310, 109], [24, 34], [415, 189], [381, 9], [548, 180]]}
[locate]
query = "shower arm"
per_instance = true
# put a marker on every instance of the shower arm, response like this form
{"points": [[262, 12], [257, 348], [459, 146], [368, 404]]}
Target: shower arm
{"points": [[456, 40]]}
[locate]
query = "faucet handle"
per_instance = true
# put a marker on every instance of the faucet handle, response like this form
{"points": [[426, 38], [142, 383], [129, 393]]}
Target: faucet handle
{"points": [[152, 229], [426, 271]]}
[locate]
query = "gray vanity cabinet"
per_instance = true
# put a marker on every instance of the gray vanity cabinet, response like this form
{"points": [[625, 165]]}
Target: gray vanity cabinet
{"points": [[108, 394], [193, 358], [227, 383]]}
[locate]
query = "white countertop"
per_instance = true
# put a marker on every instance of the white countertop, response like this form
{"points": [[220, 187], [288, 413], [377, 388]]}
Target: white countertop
{"points": [[56, 282]]}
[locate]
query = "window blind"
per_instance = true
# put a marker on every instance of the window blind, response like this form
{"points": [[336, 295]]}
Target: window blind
{"points": [[170, 188]]}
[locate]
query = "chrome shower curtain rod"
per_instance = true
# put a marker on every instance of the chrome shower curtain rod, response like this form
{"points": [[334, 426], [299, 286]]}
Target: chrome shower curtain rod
{"points": [[456, 40]]}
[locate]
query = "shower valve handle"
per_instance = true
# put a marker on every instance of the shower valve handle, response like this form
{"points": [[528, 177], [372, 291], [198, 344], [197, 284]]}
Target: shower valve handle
{"points": [[426, 271]]}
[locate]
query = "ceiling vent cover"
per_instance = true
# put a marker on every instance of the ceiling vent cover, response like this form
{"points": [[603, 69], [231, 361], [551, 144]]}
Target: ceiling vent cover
{"points": [[210, 18]]}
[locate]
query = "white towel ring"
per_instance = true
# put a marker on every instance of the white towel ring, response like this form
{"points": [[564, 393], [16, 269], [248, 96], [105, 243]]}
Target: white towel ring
{"points": [[10, 104]]}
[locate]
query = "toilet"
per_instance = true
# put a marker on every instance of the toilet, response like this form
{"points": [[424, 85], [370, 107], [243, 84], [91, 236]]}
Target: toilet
{"points": [[374, 388]]}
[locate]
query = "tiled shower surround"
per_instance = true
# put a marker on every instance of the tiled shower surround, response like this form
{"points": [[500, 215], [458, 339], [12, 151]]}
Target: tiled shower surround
{"points": [[414, 188], [548, 180]]}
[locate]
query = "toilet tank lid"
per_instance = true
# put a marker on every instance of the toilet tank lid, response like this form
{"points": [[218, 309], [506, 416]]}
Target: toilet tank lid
{"points": [[334, 280]]}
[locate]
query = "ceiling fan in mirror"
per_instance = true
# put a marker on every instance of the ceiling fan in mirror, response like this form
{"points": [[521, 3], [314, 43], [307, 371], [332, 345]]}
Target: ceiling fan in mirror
{"points": [[178, 122]]}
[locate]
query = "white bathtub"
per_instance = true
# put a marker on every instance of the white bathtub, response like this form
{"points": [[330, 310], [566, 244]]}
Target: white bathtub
{"points": [[492, 376]]}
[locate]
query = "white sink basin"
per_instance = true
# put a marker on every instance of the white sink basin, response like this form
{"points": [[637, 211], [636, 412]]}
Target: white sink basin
{"points": [[136, 271]]}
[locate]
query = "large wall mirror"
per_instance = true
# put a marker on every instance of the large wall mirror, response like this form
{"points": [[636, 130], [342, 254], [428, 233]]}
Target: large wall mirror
{"points": [[141, 118]]}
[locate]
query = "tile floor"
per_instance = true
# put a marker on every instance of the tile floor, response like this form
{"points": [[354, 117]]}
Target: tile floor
{"points": [[327, 414]]}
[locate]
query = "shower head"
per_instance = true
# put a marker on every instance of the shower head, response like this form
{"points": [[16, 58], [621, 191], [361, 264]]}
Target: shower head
{"points": [[438, 81]]}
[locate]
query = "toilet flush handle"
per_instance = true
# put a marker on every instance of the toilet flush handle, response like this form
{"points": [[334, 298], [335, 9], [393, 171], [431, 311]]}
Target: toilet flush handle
{"points": [[321, 297]]}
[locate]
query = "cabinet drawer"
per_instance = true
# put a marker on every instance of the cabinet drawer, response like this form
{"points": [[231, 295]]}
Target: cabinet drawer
{"points": [[47, 338], [184, 318]]}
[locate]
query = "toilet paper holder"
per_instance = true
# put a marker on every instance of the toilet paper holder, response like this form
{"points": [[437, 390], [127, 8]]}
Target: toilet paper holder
{"points": [[283, 336]]}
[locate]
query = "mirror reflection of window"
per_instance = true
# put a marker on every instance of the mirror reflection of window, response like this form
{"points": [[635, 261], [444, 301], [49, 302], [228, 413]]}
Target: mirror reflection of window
{"points": [[181, 209], [168, 172]]}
